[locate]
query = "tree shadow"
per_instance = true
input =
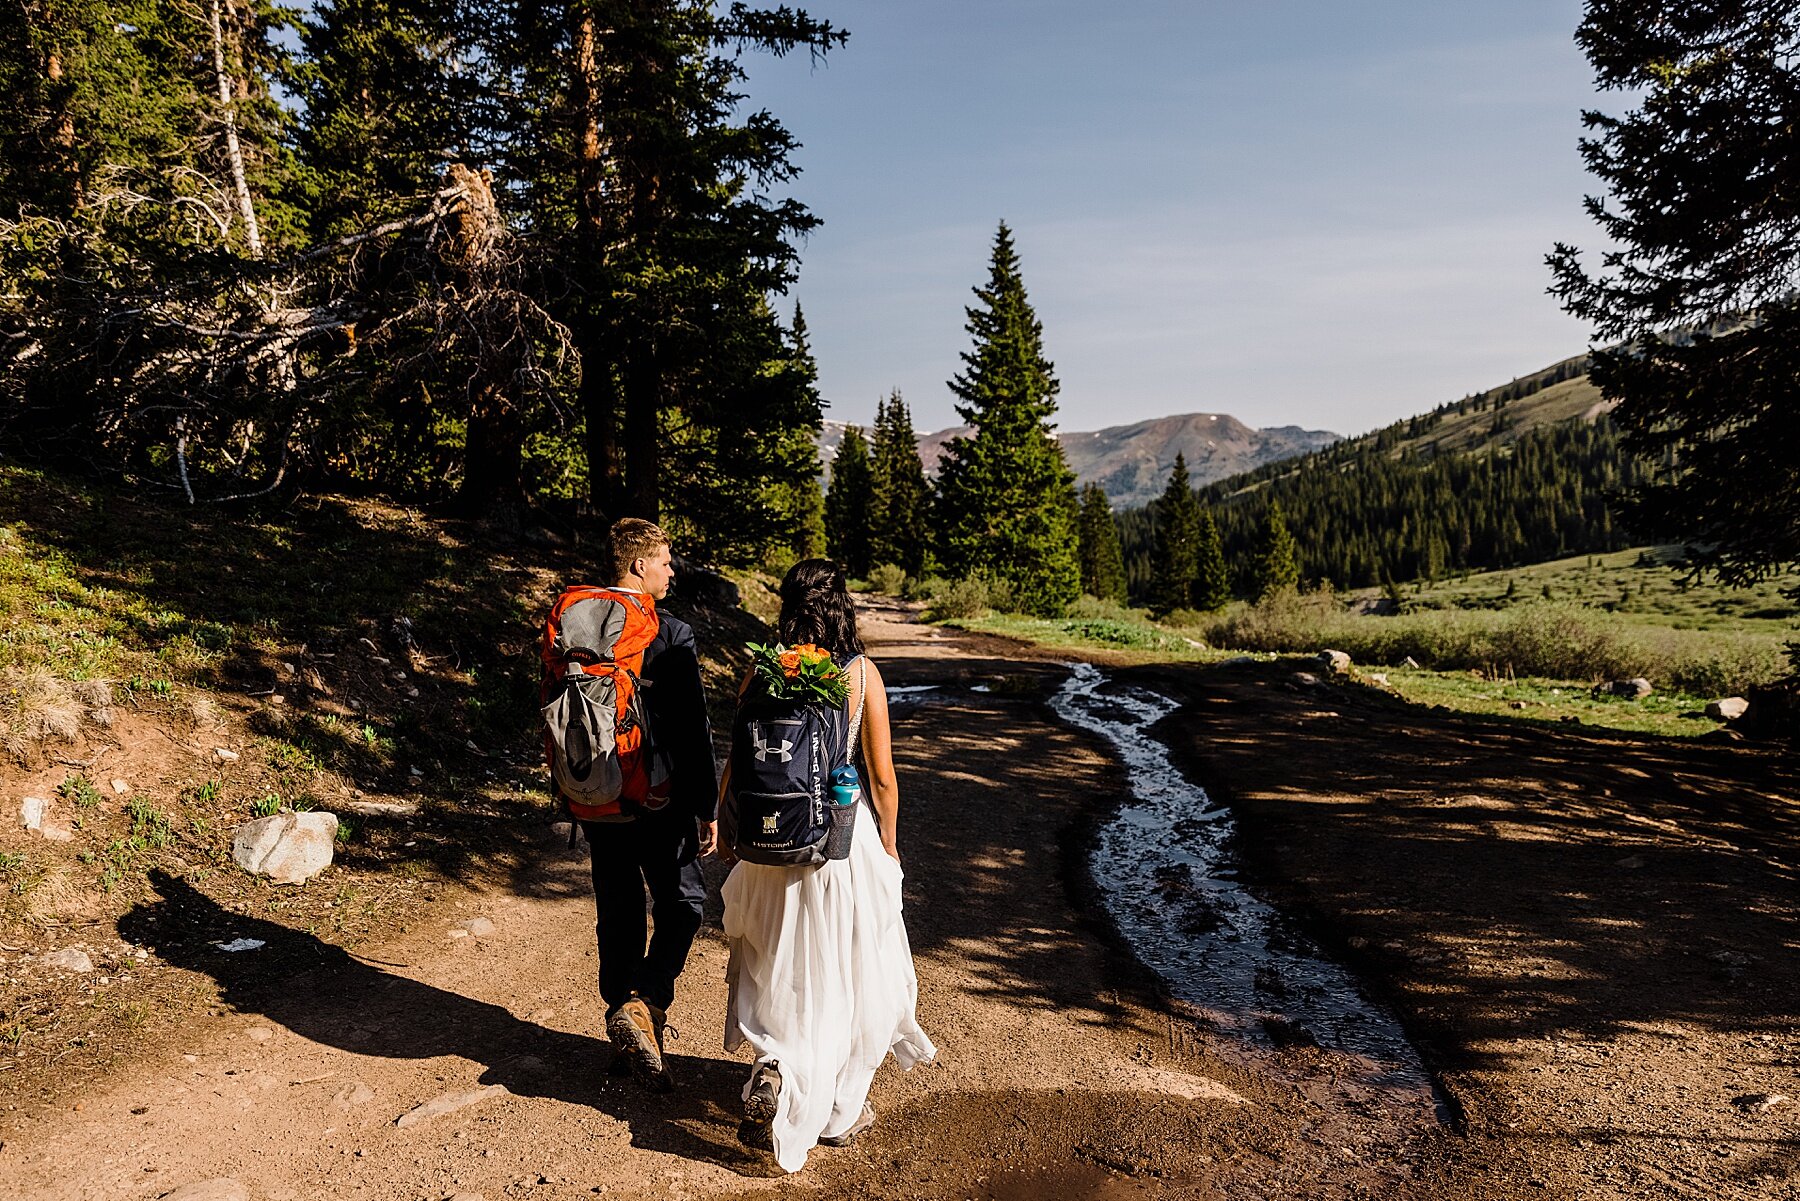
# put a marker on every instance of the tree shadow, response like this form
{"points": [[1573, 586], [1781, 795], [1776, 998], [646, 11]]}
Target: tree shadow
{"points": [[1508, 886], [325, 994]]}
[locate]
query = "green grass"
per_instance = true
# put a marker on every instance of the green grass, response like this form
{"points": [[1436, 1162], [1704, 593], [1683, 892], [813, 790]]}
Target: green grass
{"points": [[1552, 702], [1481, 650], [1644, 585]]}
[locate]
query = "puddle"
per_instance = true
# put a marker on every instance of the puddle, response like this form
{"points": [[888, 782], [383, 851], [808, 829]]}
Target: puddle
{"points": [[1165, 868]]}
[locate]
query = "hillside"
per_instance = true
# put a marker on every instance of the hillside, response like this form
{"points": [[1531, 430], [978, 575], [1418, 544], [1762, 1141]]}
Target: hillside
{"points": [[1132, 461], [1519, 474]]}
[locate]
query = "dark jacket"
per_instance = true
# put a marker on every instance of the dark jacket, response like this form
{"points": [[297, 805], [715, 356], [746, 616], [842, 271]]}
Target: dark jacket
{"points": [[676, 701]]}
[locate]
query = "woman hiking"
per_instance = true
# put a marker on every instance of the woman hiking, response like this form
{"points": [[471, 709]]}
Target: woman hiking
{"points": [[821, 976]]}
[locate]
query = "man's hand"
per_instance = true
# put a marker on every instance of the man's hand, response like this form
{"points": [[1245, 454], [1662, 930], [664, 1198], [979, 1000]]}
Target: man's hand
{"points": [[709, 837]]}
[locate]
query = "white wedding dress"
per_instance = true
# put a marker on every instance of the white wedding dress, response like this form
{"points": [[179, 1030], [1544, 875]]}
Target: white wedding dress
{"points": [[821, 981]]}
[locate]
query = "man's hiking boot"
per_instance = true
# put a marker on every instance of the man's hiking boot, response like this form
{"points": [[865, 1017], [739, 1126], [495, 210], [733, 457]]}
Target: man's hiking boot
{"points": [[864, 1120], [635, 1029], [760, 1105]]}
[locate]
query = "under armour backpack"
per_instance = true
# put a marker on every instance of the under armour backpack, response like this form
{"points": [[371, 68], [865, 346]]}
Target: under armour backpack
{"points": [[782, 756], [603, 761]]}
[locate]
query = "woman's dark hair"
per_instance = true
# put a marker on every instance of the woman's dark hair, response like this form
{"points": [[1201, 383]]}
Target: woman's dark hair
{"points": [[815, 608]]}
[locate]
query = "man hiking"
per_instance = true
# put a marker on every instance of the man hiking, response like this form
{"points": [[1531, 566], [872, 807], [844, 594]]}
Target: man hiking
{"points": [[643, 732]]}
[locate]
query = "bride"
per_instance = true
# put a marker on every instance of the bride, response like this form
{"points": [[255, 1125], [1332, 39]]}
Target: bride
{"points": [[821, 982]]}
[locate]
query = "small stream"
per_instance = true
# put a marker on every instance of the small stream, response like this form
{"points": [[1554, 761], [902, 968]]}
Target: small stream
{"points": [[1165, 867]]}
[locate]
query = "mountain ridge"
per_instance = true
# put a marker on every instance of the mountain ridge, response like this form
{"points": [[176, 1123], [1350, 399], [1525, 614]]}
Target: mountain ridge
{"points": [[1132, 461]]}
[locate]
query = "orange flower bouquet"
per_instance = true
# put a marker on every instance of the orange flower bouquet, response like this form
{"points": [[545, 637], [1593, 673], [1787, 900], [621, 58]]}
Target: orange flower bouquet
{"points": [[798, 673]]}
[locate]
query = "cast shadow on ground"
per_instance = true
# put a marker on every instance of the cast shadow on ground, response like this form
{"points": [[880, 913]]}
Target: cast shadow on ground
{"points": [[343, 1002]]}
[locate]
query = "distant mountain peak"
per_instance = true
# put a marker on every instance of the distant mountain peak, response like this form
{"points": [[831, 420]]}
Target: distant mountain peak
{"points": [[1132, 462]]}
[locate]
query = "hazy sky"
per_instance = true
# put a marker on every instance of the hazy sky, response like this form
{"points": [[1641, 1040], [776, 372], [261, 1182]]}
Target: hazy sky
{"points": [[1326, 214]]}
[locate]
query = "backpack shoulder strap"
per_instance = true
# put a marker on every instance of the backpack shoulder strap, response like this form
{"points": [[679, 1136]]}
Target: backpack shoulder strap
{"points": [[861, 698]]}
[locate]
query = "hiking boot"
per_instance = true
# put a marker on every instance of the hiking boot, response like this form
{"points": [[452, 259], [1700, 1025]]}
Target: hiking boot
{"points": [[635, 1029], [757, 1130], [864, 1120]]}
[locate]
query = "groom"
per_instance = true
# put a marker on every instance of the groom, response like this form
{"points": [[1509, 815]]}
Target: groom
{"points": [[658, 850]]}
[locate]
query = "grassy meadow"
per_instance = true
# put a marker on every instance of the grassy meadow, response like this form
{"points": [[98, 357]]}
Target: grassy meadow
{"points": [[1526, 644]]}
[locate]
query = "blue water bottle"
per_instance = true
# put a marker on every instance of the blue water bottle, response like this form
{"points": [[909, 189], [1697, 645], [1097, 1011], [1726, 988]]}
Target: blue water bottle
{"points": [[846, 791]]}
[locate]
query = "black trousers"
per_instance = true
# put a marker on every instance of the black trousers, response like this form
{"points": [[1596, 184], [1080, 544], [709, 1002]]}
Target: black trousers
{"points": [[658, 852]]}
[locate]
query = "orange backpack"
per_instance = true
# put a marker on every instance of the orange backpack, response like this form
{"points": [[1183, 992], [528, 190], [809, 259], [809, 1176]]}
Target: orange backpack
{"points": [[603, 759]]}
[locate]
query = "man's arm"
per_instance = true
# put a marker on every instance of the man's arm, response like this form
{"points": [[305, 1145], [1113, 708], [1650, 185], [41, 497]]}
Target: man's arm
{"points": [[678, 718]]}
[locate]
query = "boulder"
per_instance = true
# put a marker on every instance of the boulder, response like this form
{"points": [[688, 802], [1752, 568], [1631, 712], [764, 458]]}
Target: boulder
{"points": [[1631, 690], [1728, 708], [1306, 679], [1335, 663], [1411, 662], [289, 848]]}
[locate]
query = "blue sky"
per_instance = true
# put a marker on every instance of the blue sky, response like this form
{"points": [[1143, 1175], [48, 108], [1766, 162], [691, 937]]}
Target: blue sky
{"points": [[1322, 214]]}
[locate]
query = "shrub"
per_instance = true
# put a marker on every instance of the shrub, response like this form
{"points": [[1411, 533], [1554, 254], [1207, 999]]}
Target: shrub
{"points": [[959, 599], [924, 589], [887, 579]]}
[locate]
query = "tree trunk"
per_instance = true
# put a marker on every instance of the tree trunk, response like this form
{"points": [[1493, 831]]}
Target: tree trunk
{"points": [[233, 151], [494, 453], [599, 398], [643, 451]]}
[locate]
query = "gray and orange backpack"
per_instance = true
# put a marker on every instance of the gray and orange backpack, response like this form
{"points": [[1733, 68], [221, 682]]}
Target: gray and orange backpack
{"points": [[603, 760]]}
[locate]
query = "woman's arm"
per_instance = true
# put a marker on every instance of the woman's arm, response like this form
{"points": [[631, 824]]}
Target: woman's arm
{"points": [[878, 757]]}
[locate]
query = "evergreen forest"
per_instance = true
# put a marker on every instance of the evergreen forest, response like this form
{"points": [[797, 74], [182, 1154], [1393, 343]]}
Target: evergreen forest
{"points": [[1364, 514]]}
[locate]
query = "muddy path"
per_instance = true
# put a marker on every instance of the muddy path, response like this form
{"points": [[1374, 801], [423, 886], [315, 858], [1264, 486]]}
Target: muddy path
{"points": [[1064, 1071]]}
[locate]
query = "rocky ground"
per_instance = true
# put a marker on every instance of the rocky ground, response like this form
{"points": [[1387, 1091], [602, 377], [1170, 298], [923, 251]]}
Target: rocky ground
{"points": [[1590, 938]]}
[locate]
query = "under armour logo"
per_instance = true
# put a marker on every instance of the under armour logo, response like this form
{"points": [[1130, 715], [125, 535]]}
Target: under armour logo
{"points": [[764, 750]]}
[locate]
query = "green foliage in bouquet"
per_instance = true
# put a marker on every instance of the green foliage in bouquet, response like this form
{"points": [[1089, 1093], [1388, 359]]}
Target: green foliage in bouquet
{"points": [[800, 673]]}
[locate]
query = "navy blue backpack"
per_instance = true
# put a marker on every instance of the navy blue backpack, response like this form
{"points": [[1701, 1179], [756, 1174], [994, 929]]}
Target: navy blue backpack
{"points": [[782, 756]]}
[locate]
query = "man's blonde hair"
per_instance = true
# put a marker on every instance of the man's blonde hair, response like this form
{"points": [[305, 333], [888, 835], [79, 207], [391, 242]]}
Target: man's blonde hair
{"points": [[631, 539]]}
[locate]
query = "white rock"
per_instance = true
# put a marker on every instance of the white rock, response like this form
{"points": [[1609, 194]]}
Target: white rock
{"points": [[1728, 708], [1378, 678], [32, 811], [1335, 662], [221, 1189], [119, 786], [71, 959], [383, 808], [241, 944], [225, 756], [289, 848], [259, 1034], [480, 927], [353, 1094], [448, 1103], [1411, 662]]}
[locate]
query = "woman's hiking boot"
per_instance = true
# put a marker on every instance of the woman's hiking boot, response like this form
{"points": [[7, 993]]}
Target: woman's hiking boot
{"points": [[760, 1104], [635, 1029], [864, 1120]]}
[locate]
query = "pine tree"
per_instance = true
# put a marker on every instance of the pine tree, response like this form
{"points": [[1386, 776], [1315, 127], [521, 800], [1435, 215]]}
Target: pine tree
{"points": [[1698, 295], [1102, 564], [1212, 578], [900, 494], [1177, 543], [1275, 568], [1006, 499], [847, 504]]}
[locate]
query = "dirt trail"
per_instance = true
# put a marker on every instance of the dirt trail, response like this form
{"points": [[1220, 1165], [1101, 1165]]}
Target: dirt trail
{"points": [[1060, 1075]]}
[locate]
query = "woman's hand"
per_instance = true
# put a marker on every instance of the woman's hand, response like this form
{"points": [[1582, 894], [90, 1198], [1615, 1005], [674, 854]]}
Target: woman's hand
{"points": [[887, 844]]}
